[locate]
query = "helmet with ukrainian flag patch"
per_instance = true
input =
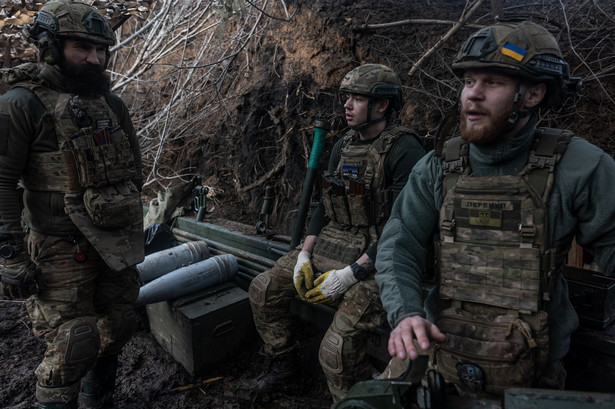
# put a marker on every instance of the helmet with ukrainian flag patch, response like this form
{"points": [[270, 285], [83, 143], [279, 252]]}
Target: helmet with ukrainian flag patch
{"points": [[524, 49]]}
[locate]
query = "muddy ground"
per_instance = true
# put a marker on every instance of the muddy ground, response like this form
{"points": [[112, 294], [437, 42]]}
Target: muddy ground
{"points": [[150, 378]]}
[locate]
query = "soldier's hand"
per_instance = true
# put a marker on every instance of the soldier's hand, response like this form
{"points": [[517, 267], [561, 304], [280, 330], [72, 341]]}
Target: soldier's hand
{"points": [[401, 339], [19, 277], [331, 285], [303, 275]]}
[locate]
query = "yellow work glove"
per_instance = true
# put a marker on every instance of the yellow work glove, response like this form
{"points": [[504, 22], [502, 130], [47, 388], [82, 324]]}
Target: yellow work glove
{"points": [[331, 285], [303, 275]]}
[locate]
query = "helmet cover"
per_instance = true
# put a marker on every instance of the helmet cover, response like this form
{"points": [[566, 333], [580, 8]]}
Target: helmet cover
{"points": [[374, 80], [71, 19]]}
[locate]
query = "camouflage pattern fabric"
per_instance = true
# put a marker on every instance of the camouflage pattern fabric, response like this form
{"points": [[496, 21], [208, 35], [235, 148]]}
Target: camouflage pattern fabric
{"points": [[271, 305], [337, 247], [359, 312], [98, 160], [374, 80], [553, 376], [495, 270], [85, 310], [23, 72], [65, 18], [363, 200], [484, 256]]}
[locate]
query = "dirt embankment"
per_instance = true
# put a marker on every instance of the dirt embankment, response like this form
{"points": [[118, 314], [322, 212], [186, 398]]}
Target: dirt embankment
{"points": [[293, 69]]}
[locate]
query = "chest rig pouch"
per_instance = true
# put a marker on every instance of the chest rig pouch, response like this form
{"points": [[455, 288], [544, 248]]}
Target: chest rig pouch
{"points": [[98, 168], [356, 200], [495, 269]]}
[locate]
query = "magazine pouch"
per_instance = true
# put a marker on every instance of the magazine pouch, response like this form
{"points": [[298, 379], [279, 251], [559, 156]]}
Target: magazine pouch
{"points": [[338, 247], [484, 354]]}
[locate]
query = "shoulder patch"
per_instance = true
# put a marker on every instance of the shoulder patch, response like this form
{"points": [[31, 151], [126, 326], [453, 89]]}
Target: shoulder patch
{"points": [[5, 122]]}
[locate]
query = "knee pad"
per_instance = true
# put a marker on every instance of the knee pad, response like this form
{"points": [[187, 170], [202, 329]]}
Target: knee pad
{"points": [[330, 352], [83, 343], [258, 289]]}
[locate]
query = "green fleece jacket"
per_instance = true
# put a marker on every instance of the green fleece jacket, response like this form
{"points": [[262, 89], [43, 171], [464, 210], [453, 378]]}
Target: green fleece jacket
{"points": [[581, 204]]}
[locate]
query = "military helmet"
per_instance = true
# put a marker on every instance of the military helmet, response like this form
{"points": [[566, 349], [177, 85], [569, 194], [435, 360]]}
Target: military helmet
{"points": [[522, 49], [70, 19], [374, 80]]}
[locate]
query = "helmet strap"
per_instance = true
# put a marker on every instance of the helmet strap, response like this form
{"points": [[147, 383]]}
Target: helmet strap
{"points": [[369, 121], [518, 111]]}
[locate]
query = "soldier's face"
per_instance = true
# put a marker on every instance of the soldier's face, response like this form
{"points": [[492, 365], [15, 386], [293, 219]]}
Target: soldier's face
{"points": [[355, 108], [486, 104], [84, 58], [84, 66]]}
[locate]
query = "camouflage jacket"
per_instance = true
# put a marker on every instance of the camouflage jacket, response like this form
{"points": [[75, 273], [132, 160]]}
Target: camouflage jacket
{"points": [[580, 202]]}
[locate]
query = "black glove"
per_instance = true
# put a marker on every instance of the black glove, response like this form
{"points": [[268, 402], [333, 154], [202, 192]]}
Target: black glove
{"points": [[19, 277]]}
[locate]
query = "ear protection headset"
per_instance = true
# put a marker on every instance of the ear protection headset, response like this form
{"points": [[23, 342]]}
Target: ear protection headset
{"points": [[45, 30], [43, 34]]}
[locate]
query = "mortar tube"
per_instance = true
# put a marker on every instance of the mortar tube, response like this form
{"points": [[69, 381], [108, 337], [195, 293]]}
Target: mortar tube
{"points": [[189, 279], [230, 250], [321, 128], [275, 247], [162, 262]]}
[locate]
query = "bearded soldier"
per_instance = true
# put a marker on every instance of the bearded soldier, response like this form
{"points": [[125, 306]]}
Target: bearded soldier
{"points": [[335, 265], [503, 201], [72, 232]]}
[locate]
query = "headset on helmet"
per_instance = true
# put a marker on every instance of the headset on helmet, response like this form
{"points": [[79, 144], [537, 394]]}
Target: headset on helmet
{"points": [[374, 80], [524, 49], [59, 19]]}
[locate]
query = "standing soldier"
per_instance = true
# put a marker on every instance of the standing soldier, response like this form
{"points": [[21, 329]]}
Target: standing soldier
{"points": [[504, 201], [367, 169], [70, 211]]}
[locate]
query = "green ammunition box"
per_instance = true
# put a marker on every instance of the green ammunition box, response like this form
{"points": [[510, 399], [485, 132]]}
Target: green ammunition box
{"points": [[202, 328], [593, 296]]}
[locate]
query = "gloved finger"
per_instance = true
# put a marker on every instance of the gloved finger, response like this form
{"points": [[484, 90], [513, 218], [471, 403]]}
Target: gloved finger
{"points": [[307, 275], [300, 288], [322, 278], [315, 296]]}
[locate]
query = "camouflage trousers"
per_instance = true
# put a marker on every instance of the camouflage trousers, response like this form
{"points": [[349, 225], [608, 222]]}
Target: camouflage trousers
{"points": [[84, 311], [342, 353]]}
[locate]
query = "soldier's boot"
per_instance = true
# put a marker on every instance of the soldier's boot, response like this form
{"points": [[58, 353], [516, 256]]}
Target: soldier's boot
{"points": [[277, 370], [98, 384], [57, 397]]}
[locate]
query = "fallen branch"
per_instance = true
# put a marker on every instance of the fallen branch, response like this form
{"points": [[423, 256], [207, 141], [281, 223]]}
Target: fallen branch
{"points": [[448, 35], [415, 21], [196, 385]]}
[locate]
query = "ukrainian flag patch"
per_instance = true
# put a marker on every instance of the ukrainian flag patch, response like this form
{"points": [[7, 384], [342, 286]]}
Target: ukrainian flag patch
{"points": [[513, 51]]}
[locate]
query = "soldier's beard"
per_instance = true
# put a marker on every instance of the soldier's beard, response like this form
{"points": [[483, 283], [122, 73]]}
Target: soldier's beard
{"points": [[486, 133], [85, 79]]}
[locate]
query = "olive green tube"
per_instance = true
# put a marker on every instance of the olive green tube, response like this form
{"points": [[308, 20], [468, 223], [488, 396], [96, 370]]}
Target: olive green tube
{"points": [[321, 128]]}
